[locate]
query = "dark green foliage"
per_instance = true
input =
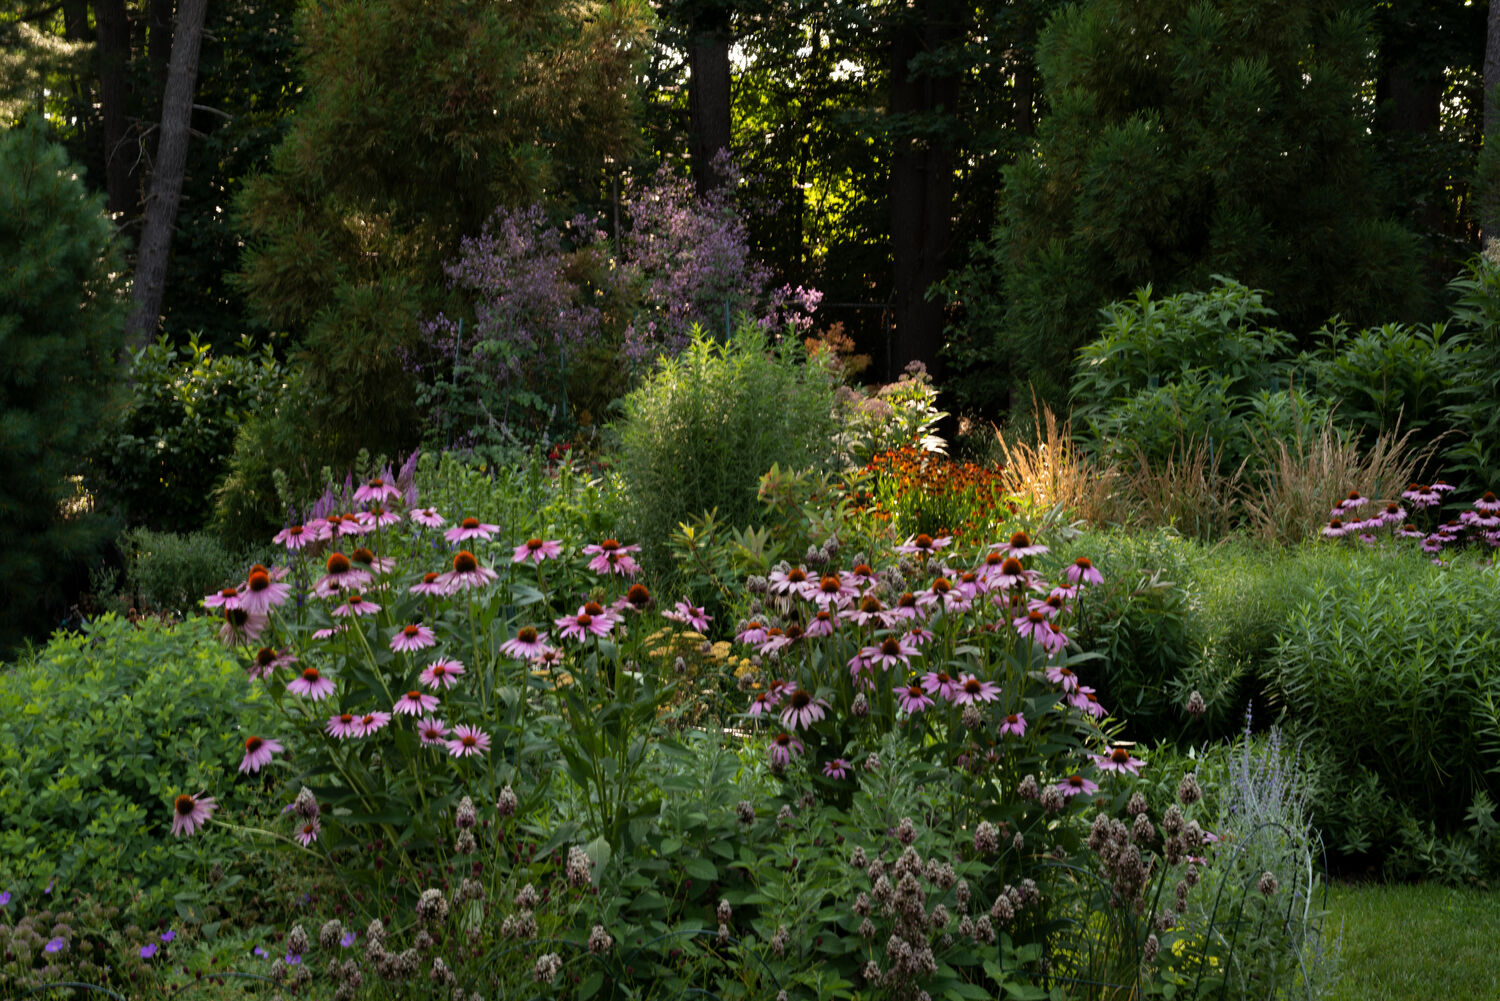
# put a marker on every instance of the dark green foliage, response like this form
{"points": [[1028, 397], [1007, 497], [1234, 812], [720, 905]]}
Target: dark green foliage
{"points": [[418, 119], [701, 431], [1229, 144], [165, 452], [60, 334], [98, 732], [1392, 666], [170, 573], [1471, 405]]}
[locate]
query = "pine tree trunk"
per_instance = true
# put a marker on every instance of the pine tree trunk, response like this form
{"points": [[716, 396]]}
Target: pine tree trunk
{"points": [[708, 93], [1489, 206], [113, 30], [166, 178]]}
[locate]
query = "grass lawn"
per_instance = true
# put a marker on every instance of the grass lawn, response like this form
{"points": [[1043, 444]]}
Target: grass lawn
{"points": [[1412, 943]]}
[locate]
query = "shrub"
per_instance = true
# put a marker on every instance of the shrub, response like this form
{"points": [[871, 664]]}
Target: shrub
{"points": [[165, 451], [1390, 666], [700, 432], [61, 327], [1474, 453], [169, 573], [98, 732]]}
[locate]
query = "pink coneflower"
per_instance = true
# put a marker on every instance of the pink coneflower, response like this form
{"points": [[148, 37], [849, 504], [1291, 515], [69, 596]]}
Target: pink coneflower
{"points": [[528, 644], [258, 753], [427, 517], [783, 748], [413, 637], [311, 684], [867, 611], [941, 684], [1020, 546], [777, 638], [308, 832], [591, 619], [294, 537], [378, 517], [340, 575], [1488, 503], [1443, 486], [351, 524], [466, 574], [753, 634], [415, 703], [1032, 625], [858, 665], [369, 561], [191, 812], [343, 726], [356, 605], [1119, 759], [972, 584], [762, 705], [241, 626], [430, 585], [1014, 725], [432, 731], [912, 699], [823, 623], [228, 597], [379, 489], [936, 593], [836, 769], [1083, 572], [636, 599], [971, 689], [861, 575], [329, 632], [917, 636], [537, 550], [1352, 501], [906, 607], [1336, 528], [1054, 640], [467, 740], [441, 674], [691, 615], [801, 710], [372, 723], [1409, 531], [1051, 606], [948, 596], [1394, 514], [261, 593], [1064, 677], [832, 591], [923, 544], [889, 652], [1420, 496], [266, 661], [609, 557], [792, 582], [1073, 785], [470, 528], [1006, 572], [1085, 699]]}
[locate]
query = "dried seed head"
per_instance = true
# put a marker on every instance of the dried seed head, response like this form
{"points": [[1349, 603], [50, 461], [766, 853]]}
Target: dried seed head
{"points": [[600, 941], [1028, 788], [547, 967], [972, 718], [465, 817], [986, 838], [432, 906], [1195, 706], [1188, 791], [306, 804], [464, 843], [441, 975], [906, 833], [1152, 946], [507, 803], [860, 708], [779, 941], [296, 940], [580, 869], [329, 934], [857, 857], [744, 811], [527, 898], [1268, 884], [1137, 805], [724, 912]]}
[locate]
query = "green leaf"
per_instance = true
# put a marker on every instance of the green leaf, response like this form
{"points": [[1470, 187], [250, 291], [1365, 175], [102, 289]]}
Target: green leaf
{"points": [[699, 867]]}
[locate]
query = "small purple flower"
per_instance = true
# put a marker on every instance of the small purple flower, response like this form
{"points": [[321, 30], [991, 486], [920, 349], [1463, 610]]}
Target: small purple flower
{"points": [[56, 945], [836, 769], [5, 899], [292, 959], [148, 950], [168, 935], [348, 939], [258, 951]]}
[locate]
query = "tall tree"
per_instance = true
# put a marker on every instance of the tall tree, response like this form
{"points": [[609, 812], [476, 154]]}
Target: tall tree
{"points": [[1489, 218], [166, 174]]}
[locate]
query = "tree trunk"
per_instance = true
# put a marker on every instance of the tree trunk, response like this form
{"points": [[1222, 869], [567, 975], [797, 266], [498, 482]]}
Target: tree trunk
{"points": [[166, 177], [113, 30], [921, 181], [708, 93], [1489, 204]]}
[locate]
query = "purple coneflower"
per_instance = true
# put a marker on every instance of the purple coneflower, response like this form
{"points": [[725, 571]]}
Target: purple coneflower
{"points": [[430, 585], [832, 591], [1120, 760], [537, 550], [1014, 725], [1083, 572], [466, 574], [311, 684], [1085, 699], [356, 605], [378, 517], [467, 740], [228, 597], [413, 637], [592, 619], [971, 689], [432, 731], [415, 703], [1352, 501], [941, 684], [1488, 503], [867, 611], [923, 544], [191, 812], [380, 489], [776, 638], [343, 726], [906, 607], [912, 699], [609, 557], [783, 748], [823, 623], [294, 537], [1063, 676], [690, 615], [308, 833], [441, 674], [241, 626], [1073, 785], [1006, 572], [258, 753], [266, 661], [329, 632], [528, 644], [791, 583], [801, 710], [427, 517], [1020, 546], [1054, 640], [340, 575], [1032, 625], [261, 592], [836, 769], [375, 564], [763, 704], [470, 528], [753, 634], [372, 723], [889, 653], [1443, 486]]}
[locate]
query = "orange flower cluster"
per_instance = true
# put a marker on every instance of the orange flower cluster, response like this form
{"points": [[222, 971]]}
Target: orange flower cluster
{"points": [[917, 491]]}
